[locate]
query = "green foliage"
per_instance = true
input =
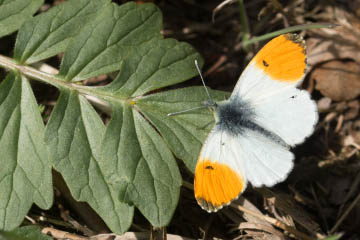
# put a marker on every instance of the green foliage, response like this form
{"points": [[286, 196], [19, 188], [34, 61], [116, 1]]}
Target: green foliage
{"points": [[13, 13], [49, 33], [26, 172], [129, 163], [24, 233]]}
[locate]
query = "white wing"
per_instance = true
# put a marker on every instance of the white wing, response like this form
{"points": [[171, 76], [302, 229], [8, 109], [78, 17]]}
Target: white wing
{"points": [[278, 107], [265, 162]]}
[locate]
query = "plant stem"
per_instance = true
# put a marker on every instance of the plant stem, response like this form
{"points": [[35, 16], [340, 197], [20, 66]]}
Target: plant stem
{"points": [[33, 73], [287, 30], [55, 81], [244, 22]]}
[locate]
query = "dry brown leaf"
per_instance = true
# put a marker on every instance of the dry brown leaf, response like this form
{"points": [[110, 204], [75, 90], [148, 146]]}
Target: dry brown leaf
{"points": [[338, 80], [355, 132], [341, 42], [275, 234], [287, 205]]}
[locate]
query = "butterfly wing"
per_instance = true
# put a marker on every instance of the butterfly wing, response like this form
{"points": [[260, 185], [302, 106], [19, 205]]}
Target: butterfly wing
{"points": [[219, 175], [265, 161], [269, 83]]}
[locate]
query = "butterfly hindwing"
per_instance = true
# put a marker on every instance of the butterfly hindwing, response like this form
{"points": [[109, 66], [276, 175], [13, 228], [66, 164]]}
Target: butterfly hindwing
{"points": [[266, 162]]}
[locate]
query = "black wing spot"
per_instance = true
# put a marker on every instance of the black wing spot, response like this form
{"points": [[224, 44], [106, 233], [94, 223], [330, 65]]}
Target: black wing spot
{"points": [[209, 167], [294, 96], [265, 63]]}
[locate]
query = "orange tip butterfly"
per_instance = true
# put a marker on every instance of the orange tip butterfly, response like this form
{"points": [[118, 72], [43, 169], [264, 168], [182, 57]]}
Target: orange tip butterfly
{"points": [[254, 129]]}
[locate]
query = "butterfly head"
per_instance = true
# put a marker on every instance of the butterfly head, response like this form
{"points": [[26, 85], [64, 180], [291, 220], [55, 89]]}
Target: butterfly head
{"points": [[211, 104]]}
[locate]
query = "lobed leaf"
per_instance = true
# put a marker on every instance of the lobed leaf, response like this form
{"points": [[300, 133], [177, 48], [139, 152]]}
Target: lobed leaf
{"points": [[25, 175], [128, 38], [73, 136], [49, 33], [154, 65], [130, 162], [114, 35], [139, 166], [13, 13]]}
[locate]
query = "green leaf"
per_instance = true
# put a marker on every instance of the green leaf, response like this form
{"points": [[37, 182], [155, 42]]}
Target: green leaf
{"points": [[13, 13], [184, 133], [127, 38], [73, 135], [49, 33], [114, 35], [130, 163], [154, 65], [139, 166], [24, 233], [25, 175], [117, 38]]}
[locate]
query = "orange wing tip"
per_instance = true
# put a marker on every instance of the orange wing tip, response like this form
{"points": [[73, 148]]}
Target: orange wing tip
{"points": [[283, 58], [296, 38], [216, 185], [209, 207]]}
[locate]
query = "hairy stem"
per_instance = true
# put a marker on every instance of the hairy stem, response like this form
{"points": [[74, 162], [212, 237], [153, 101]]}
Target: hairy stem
{"points": [[57, 82], [33, 73]]}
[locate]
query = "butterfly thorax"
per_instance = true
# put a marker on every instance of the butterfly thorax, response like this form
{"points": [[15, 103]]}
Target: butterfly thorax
{"points": [[234, 116]]}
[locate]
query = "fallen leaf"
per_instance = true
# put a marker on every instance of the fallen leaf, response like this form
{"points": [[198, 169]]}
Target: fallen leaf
{"points": [[338, 80]]}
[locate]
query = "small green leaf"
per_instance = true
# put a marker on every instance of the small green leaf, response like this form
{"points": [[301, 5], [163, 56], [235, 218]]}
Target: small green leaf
{"points": [[138, 164], [184, 133], [114, 35], [24, 233], [13, 13], [334, 237], [49, 33], [25, 175], [73, 135]]}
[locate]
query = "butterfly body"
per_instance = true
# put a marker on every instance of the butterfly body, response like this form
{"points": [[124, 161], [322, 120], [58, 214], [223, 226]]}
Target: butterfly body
{"points": [[255, 128]]}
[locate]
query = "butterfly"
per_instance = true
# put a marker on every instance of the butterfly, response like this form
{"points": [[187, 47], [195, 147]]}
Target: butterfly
{"points": [[256, 127]]}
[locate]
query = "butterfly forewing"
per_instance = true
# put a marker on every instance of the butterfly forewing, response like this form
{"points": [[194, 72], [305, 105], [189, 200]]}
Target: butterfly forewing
{"points": [[219, 177]]}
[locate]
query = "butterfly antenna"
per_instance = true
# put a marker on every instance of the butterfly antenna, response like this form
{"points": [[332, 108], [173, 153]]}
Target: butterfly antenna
{"points": [[184, 111], [207, 92], [202, 79]]}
